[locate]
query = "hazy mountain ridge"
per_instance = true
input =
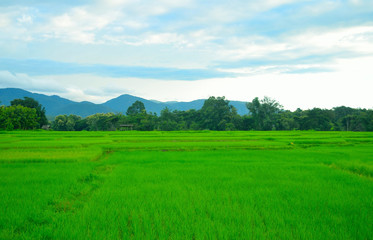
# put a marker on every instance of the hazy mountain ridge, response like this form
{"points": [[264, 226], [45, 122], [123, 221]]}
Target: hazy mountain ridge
{"points": [[56, 105]]}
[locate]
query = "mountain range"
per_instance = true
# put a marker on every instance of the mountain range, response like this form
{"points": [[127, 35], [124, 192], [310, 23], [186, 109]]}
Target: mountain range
{"points": [[55, 105]]}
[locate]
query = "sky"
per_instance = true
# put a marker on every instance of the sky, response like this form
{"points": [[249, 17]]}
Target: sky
{"points": [[302, 53]]}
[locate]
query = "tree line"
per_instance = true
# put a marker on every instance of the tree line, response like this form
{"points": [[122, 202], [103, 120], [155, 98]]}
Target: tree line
{"points": [[22, 114], [216, 114]]}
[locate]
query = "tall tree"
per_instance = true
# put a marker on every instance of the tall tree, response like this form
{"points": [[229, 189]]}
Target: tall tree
{"points": [[264, 113], [32, 103], [168, 120], [136, 108], [217, 113], [66, 123], [317, 119], [102, 122], [18, 117]]}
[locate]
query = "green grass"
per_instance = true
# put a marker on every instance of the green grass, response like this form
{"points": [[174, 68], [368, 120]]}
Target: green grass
{"points": [[186, 185]]}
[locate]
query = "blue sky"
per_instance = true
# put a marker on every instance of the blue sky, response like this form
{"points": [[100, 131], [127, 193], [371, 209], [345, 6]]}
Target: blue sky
{"points": [[302, 53]]}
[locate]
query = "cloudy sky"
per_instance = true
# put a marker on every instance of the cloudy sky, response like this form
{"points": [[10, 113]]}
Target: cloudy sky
{"points": [[311, 53]]}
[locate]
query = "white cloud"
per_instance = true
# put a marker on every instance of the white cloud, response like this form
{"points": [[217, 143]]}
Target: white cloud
{"points": [[319, 8], [4, 20], [96, 23], [83, 24], [20, 80], [79, 24], [356, 2], [17, 23], [340, 42], [163, 38], [213, 13], [25, 19], [115, 3], [351, 38], [195, 34], [349, 85]]}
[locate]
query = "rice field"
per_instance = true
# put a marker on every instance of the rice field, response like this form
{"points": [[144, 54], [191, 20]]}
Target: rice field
{"points": [[186, 185]]}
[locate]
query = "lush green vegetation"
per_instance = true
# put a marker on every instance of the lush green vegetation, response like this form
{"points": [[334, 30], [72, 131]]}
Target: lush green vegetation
{"points": [[186, 185], [22, 114], [218, 114], [215, 114]]}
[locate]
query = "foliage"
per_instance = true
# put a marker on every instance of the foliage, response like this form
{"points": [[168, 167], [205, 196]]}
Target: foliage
{"points": [[32, 103], [103, 122], [264, 112], [18, 118], [136, 108], [168, 120], [66, 123], [216, 114]]}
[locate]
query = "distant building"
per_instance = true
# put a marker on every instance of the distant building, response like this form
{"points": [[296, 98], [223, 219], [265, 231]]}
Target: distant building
{"points": [[126, 127], [46, 127]]}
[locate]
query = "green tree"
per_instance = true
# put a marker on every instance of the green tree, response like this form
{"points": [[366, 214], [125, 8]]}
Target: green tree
{"points": [[216, 113], [147, 122], [168, 120], [247, 123], [344, 117], [81, 125], [264, 113], [59, 123], [189, 120], [137, 115], [66, 123], [18, 117], [103, 122], [136, 108], [32, 103], [317, 119], [286, 121]]}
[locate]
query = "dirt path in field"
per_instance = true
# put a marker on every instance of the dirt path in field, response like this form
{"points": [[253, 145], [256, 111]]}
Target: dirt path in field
{"points": [[88, 185]]}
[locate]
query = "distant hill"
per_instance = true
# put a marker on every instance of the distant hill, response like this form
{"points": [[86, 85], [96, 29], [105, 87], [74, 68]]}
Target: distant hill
{"points": [[56, 105], [83, 109], [121, 104], [183, 106], [49, 102]]}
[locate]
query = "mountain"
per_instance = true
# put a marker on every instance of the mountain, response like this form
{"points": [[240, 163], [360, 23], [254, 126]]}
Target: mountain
{"points": [[121, 104], [83, 109], [51, 103], [55, 105], [240, 106], [183, 106], [197, 104]]}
